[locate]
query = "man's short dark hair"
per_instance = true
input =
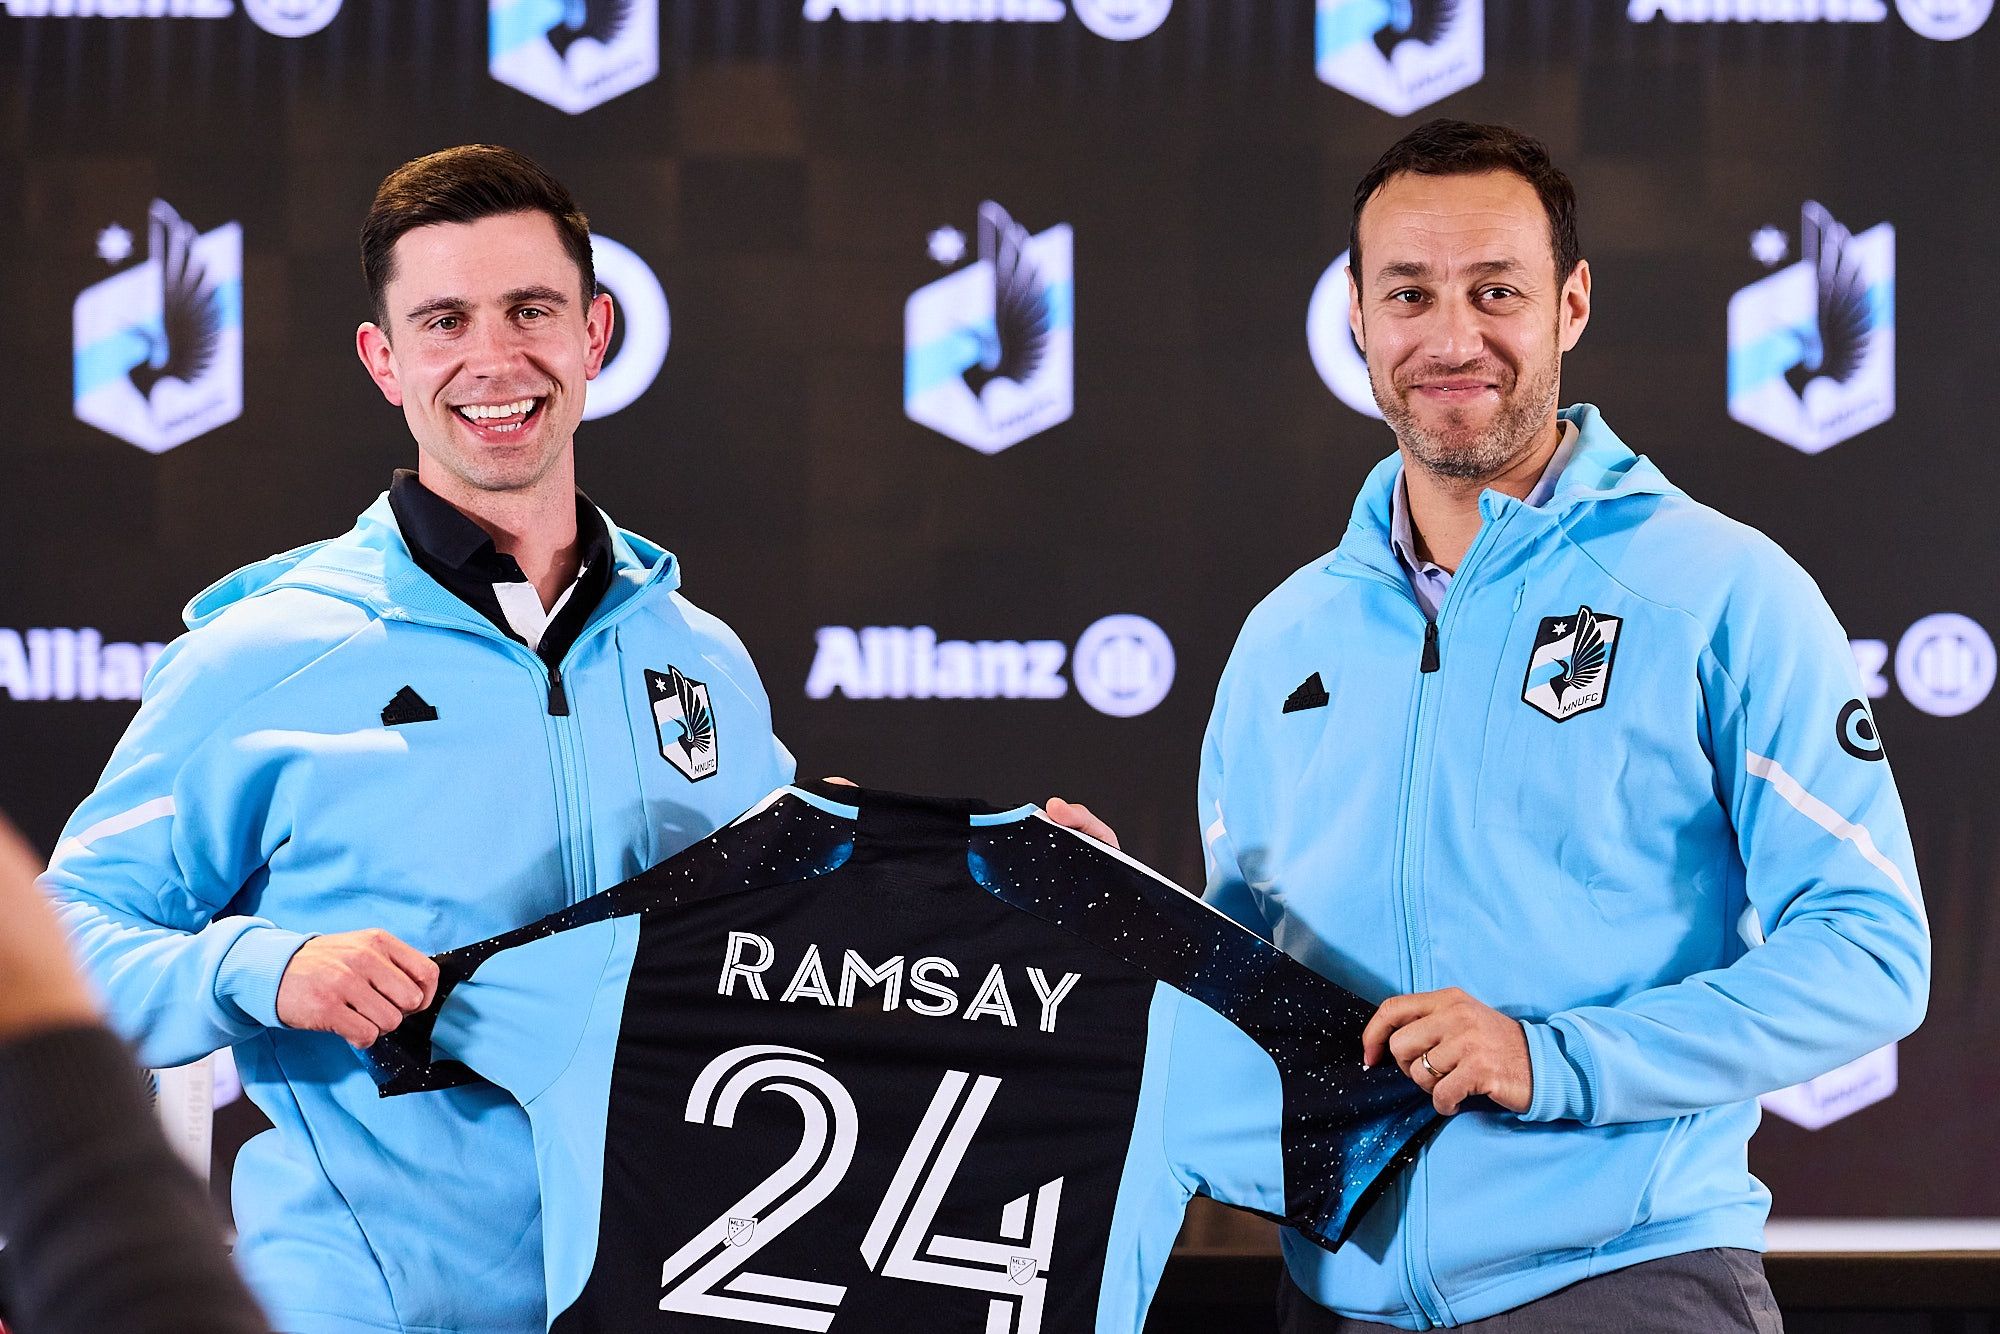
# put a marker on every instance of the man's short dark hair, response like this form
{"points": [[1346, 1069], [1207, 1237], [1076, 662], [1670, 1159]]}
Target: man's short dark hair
{"points": [[465, 184], [1462, 148]]}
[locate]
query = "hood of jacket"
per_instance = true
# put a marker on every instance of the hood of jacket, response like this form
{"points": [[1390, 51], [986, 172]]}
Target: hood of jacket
{"points": [[1602, 469]]}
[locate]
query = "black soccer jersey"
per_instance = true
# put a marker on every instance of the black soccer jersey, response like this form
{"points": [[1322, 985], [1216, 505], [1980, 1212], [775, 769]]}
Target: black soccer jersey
{"points": [[904, 1065]]}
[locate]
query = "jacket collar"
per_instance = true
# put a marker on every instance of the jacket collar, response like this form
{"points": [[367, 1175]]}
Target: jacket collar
{"points": [[1601, 468], [371, 565]]}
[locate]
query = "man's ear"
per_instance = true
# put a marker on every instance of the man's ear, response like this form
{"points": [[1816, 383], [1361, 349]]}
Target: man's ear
{"points": [[1575, 310], [371, 344], [597, 324], [1354, 310]]}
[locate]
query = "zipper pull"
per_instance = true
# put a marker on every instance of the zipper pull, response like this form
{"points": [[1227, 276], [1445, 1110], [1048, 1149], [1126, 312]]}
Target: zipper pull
{"points": [[1430, 662], [558, 701]]}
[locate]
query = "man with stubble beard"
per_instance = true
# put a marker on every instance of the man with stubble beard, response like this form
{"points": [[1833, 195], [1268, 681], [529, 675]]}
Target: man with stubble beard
{"points": [[1579, 776]]}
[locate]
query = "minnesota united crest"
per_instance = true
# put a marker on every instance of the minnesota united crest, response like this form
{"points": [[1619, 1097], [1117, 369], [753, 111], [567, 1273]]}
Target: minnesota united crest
{"points": [[685, 721], [1570, 670]]}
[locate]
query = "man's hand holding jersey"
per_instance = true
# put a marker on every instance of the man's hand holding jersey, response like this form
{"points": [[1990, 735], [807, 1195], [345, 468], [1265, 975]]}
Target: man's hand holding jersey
{"points": [[1454, 1047], [358, 984]]}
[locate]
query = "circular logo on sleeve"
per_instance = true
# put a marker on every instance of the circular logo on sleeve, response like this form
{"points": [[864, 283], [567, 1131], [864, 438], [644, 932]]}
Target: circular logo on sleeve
{"points": [[1857, 732]]}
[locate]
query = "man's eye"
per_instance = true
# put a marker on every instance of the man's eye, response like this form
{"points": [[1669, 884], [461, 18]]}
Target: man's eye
{"points": [[1497, 293], [1407, 296], [446, 324], [532, 313]]}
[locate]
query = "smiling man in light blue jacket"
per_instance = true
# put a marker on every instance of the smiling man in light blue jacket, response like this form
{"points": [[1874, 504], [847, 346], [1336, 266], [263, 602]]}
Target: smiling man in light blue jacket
{"points": [[482, 703], [1574, 772]]}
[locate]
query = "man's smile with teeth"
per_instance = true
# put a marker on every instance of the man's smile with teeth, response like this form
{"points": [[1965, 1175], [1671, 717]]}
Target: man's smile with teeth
{"points": [[495, 416]]}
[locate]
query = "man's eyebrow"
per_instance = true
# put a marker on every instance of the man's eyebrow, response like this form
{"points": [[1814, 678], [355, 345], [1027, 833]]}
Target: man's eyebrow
{"points": [[457, 305], [539, 296], [1416, 268], [437, 305]]}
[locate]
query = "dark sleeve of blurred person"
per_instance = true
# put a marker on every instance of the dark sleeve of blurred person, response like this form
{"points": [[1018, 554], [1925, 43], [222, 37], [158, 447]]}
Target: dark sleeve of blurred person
{"points": [[106, 1230]]}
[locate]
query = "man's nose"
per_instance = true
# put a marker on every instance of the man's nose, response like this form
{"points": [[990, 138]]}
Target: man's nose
{"points": [[1456, 334], [492, 347]]}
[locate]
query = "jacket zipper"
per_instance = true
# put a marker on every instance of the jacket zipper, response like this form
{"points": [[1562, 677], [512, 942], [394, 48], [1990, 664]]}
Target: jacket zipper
{"points": [[1432, 660], [569, 758]]}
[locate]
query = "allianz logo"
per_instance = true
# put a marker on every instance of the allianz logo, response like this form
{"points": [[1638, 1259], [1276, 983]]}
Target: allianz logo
{"points": [[1758, 11], [121, 9], [72, 664], [1939, 20], [1122, 665]]}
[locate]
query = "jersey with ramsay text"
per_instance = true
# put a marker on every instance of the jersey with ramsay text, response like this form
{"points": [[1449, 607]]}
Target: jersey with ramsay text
{"points": [[870, 1062]]}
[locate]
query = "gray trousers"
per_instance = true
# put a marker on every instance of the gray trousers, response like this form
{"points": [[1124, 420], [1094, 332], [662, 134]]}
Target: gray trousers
{"points": [[1702, 1292]]}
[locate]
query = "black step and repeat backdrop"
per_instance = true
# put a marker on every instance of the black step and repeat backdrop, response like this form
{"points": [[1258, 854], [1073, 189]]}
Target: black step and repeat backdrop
{"points": [[1021, 586]]}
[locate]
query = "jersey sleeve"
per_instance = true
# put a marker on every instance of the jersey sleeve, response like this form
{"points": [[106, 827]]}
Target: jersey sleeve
{"points": [[1269, 1108], [511, 1010], [1267, 1105], [1836, 957]]}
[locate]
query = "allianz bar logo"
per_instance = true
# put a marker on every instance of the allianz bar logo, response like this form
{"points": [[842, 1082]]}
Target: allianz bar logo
{"points": [[1939, 20], [72, 665], [1115, 20], [281, 18], [1123, 665]]}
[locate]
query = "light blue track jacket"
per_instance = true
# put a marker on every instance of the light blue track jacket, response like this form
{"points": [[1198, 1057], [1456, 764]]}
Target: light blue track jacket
{"points": [[259, 798], [1602, 878]]}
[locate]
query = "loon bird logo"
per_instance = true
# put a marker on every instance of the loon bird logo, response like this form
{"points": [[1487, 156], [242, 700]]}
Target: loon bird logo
{"points": [[184, 345], [1812, 347], [988, 351], [573, 54], [684, 717], [1837, 340], [1400, 55], [158, 347], [1569, 671], [596, 20], [1013, 349], [1425, 22]]}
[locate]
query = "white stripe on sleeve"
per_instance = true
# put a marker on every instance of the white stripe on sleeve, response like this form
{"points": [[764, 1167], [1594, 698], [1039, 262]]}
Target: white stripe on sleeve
{"points": [[1827, 818], [159, 808]]}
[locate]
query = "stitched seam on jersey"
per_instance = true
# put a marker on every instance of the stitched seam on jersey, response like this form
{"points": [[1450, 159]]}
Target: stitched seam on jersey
{"points": [[596, 999], [1167, 1086]]}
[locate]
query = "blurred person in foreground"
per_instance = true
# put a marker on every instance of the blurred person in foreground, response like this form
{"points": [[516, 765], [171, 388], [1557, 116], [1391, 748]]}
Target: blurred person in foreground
{"points": [[1579, 775], [106, 1231]]}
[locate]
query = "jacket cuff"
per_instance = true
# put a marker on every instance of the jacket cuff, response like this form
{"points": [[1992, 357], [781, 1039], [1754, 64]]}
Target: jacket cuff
{"points": [[1563, 1073], [251, 969]]}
